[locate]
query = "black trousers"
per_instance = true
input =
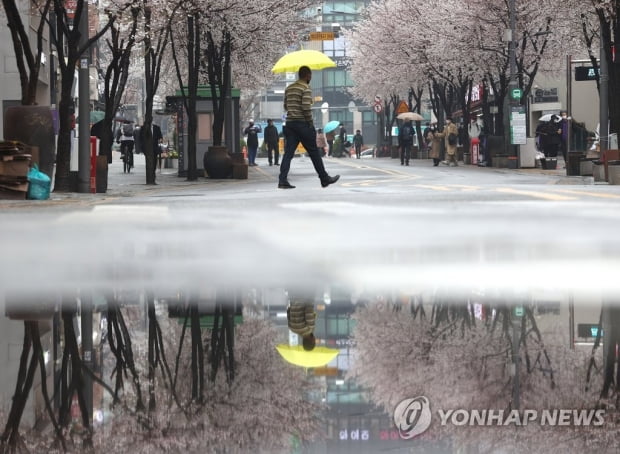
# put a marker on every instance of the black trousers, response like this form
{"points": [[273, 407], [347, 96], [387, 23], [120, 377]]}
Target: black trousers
{"points": [[304, 132], [273, 152]]}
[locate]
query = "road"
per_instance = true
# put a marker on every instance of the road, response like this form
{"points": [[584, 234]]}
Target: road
{"points": [[381, 227]]}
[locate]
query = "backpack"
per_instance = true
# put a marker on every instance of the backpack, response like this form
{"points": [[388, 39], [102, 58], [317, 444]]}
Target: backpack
{"points": [[407, 133], [452, 139], [128, 129]]}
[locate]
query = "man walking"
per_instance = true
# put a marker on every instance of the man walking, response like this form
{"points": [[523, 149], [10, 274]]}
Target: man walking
{"points": [[252, 143], [405, 137], [271, 140], [358, 141], [300, 128]]}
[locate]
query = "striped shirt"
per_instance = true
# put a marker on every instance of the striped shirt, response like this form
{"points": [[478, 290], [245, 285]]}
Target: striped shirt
{"points": [[301, 318], [298, 101]]}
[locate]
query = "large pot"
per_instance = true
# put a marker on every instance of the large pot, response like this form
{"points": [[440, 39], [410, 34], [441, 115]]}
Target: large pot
{"points": [[217, 162], [33, 125]]}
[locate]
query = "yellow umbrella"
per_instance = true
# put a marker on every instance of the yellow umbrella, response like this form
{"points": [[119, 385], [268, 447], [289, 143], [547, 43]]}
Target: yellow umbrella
{"points": [[313, 59], [317, 357]]}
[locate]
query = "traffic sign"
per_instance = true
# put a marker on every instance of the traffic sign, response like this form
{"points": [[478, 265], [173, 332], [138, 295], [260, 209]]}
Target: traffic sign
{"points": [[402, 107], [516, 93], [378, 108], [321, 36], [586, 73]]}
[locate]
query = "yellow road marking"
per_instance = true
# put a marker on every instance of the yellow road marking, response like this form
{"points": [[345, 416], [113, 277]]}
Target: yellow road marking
{"points": [[592, 194], [539, 195], [430, 186]]}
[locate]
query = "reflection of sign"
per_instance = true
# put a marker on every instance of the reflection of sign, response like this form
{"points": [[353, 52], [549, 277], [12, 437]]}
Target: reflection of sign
{"points": [[586, 73], [588, 330], [356, 434], [519, 311], [321, 36], [402, 107]]}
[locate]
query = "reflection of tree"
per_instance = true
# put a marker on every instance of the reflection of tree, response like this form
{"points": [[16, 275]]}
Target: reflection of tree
{"points": [[459, 362], [260, 404]]}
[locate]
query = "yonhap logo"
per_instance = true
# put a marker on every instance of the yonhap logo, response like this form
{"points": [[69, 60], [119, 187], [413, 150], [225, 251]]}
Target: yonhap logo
{"points": [[412, 417]]}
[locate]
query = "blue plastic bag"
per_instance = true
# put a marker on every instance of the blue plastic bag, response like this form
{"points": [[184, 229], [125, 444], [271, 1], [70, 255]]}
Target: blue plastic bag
{"points": [[39, 184]]}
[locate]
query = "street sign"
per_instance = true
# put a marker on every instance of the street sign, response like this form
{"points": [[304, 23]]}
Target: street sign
{"points": [[377, 108], [586, 73], [321, 36], [516, 93], [518, 311], [518, 128], [402, 107]]}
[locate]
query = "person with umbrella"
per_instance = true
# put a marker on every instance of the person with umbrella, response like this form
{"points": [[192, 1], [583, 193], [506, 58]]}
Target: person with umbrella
{"points": [[405, 139], [300, 128], [301, 319]]}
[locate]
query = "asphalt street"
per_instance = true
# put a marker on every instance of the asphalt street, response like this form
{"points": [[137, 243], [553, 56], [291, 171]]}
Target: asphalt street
{"points": [[381, 227]]}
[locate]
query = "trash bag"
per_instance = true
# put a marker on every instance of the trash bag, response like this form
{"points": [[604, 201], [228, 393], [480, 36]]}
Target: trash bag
{"points": [[39, 184]]}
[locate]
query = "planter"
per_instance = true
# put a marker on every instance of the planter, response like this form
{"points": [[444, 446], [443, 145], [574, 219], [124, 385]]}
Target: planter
{"points": [[171, 163], [33, 125], [613, 172], [101, 177], [598, 171], [217, 162], [512, 162], [586, 167], [550, 163]]}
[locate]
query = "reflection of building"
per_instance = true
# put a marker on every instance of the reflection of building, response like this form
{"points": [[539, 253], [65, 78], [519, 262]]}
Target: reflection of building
{"points": [[330, 86]]}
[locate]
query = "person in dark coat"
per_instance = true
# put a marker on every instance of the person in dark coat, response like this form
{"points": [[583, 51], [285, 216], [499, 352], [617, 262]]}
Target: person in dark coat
{"points": [[252, 142], [272, 140]]}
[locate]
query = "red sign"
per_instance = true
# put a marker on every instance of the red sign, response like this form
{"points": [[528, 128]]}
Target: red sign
{"points": [[70, 7]]}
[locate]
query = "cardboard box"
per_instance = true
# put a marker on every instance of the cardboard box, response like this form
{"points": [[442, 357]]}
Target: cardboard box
{"points": [[15, 165]]}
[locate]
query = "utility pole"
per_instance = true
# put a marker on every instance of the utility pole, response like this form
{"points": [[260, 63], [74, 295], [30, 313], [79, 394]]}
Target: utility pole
{"points": [[84, 106], [603, 130], [516, 117], [86, 331], [517, 318]]}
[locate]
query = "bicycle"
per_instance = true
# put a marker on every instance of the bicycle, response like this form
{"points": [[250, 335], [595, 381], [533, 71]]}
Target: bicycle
{"points": [[127, 155]]}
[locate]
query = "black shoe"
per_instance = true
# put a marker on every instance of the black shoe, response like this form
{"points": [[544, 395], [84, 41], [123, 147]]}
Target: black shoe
{"points": [[270, 164], [286, 185], [402, 163], [277, 164], [407, 163], [330, 180]]}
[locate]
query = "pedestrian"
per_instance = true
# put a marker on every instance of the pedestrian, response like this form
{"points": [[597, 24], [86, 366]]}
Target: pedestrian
{"points": [[550, 136], [124, 137], [251, 142], [300, 128], [433, 138], [450, 134], [330, 136], [564, 124], [155, 149], [321, 141], [358, 141], [301, 319], [405, 141], [342, 136], [271, 140]]}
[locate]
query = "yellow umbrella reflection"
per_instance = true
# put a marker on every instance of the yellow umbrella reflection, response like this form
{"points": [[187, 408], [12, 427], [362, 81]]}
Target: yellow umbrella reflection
{"points": [[295, 354], [292, 61]]}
